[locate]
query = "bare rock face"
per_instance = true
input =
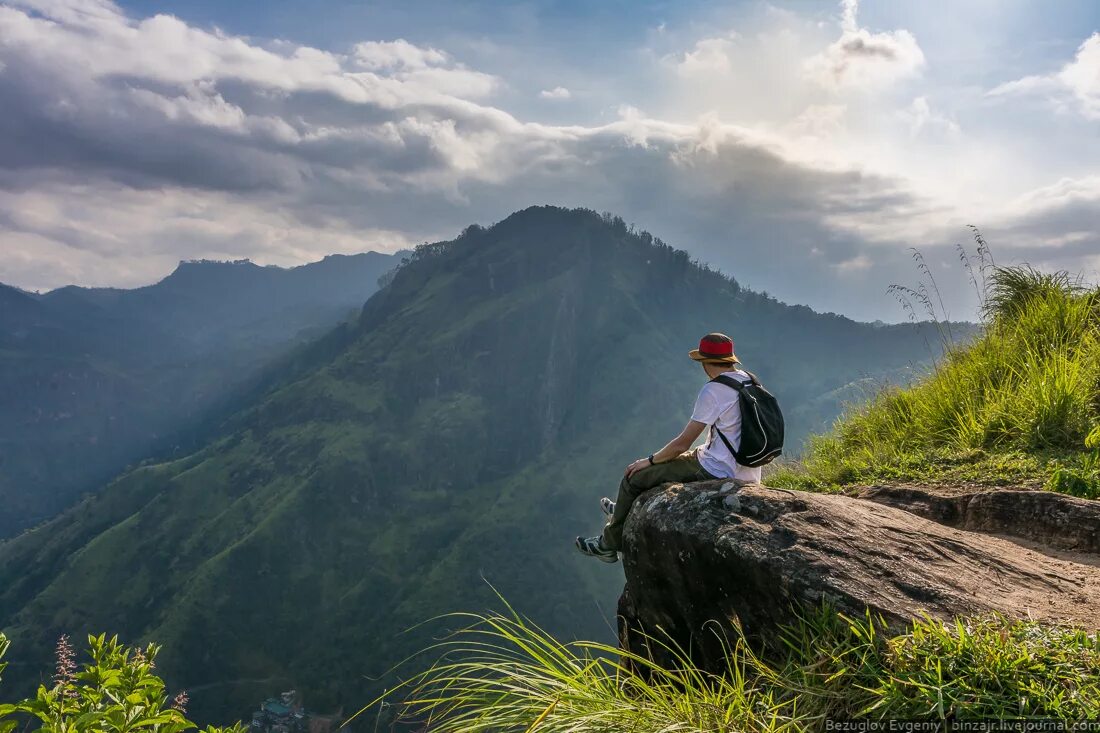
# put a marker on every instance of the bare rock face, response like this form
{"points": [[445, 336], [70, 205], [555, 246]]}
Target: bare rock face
{"points": [[700, 556]]}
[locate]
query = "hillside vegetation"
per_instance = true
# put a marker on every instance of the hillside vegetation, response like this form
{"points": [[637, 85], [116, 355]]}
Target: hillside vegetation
{"points": [[461, 430], [1019, 406], [96, 379]]}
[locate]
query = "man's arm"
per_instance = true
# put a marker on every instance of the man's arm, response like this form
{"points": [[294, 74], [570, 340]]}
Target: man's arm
{"points": [[675, 447]]}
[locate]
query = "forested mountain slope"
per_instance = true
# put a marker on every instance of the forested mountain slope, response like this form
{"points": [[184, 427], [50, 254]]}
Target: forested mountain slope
{"points": [[93, 379], [462, 431]]}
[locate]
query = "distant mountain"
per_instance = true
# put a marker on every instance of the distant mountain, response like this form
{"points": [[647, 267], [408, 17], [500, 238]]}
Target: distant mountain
{"points": [[460, 432], [93, 379]]}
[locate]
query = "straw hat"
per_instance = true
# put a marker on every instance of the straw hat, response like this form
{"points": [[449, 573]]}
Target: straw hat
{"points": [[715, 347]]}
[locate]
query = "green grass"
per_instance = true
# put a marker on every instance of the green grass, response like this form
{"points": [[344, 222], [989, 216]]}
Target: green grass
{"points": [[1014, 407], [502, 673]]}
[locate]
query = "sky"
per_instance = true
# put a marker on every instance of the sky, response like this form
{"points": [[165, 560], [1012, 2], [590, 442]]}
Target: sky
{"points": [[806, 148]]}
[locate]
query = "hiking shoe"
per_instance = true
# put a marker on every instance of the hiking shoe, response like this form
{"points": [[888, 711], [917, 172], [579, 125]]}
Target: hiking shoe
{"points": [[608, 506], [593, 547]]}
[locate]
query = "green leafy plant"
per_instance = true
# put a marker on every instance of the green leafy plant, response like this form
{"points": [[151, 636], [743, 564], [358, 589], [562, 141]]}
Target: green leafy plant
{"points": [[115, 691]]}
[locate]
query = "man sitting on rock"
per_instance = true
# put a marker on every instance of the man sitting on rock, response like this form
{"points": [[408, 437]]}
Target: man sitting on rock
{"points": [[718, 405]]}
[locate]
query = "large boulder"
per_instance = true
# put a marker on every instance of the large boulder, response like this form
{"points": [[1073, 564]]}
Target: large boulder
{"points": [[701, 557]]}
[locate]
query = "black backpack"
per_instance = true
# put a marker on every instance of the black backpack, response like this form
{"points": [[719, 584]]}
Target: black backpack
{"points": [[761, 422]]}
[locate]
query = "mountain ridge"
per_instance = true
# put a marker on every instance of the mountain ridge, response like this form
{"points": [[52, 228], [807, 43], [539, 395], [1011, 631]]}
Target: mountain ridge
{"points": [[457, 434], [100, 378]]}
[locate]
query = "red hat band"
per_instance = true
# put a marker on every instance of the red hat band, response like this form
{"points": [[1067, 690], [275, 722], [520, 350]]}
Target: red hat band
{"points": [[712, 348]]}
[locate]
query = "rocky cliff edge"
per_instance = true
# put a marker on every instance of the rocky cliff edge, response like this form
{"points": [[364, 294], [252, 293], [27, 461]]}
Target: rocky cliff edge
{"points": [[702, 557]]}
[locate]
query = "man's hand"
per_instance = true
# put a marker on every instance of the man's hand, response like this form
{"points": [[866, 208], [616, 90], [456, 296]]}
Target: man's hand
{"points": [[678, 445], [637, 465]]}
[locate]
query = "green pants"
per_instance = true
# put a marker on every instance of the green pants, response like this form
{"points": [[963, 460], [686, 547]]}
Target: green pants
{"points": [[681, 469]]}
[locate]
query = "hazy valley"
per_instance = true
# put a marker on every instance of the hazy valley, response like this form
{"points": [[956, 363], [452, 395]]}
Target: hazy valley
{"points": [[95, 379]]}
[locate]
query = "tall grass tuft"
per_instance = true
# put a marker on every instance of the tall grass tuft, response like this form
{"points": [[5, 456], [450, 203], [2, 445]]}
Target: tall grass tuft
{"points": [[1029, 385], [503, 674]]}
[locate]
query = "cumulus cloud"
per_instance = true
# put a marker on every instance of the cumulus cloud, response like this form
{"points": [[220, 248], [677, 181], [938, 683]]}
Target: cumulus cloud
{"points": [[128, 143], [859, 263], [109, 234], [861, 59], [815, 127], [1058, 220], [709, 56], [192, 132], [1082, 76], [555, 93], [1075, 86], [394, 54], [156, 100], [923, 120]]}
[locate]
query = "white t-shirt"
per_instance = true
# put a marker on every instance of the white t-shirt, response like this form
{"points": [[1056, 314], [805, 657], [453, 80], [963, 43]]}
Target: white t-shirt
{"points": [[720, 404]]}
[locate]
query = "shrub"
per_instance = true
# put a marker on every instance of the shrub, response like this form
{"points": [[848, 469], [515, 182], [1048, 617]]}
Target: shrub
{"points": [[113, 692]]}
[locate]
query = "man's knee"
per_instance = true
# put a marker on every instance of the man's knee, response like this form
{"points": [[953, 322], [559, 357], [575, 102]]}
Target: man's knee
{"points": [[641, 480]]}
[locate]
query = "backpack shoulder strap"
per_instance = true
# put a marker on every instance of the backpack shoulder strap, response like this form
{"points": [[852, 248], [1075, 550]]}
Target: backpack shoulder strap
{"points": [[738, 385], [730, 382]]}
